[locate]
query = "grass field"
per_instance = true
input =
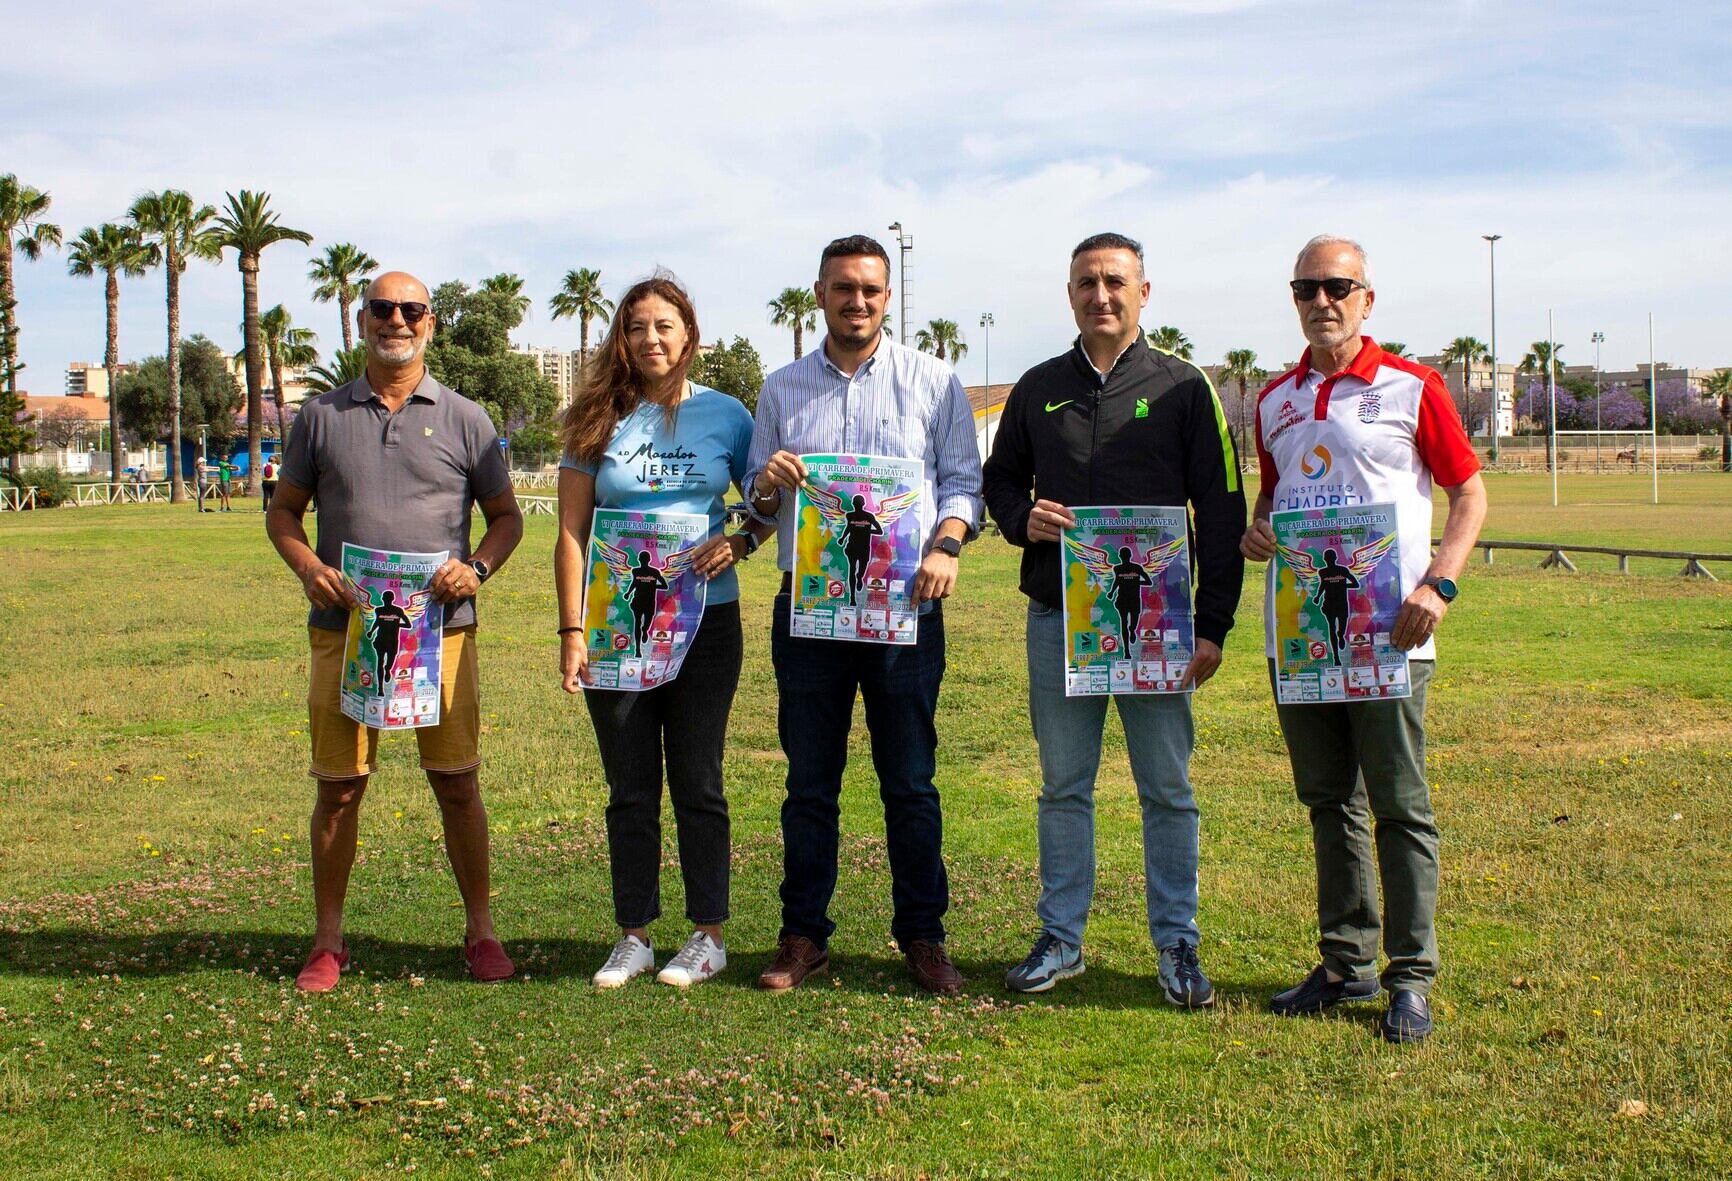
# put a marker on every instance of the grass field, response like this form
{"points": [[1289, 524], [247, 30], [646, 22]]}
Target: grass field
{"points": [[156, 904]]}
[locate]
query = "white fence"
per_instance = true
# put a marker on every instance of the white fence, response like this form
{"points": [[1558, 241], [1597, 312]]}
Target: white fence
{"points": [[16, 500]]}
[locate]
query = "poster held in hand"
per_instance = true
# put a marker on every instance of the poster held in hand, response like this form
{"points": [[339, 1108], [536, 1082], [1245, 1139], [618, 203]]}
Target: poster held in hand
{"points": [[392, 657], [859, 532], [643, 601], [1337, 594], [1126, 586]]}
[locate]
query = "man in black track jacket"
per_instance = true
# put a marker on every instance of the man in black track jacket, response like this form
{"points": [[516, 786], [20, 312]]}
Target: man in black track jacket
{"points": [[1112, 422]]}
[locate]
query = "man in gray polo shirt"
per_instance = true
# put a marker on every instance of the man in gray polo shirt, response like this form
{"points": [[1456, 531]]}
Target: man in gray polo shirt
{"points": [[396, 461]]}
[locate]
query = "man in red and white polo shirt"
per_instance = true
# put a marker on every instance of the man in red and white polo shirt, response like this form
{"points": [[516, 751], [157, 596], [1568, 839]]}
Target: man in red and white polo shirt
{"points": [[1351, 424]]}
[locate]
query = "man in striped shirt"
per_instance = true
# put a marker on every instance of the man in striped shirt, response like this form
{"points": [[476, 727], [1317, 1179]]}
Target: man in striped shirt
{"points": [[861, 394]]}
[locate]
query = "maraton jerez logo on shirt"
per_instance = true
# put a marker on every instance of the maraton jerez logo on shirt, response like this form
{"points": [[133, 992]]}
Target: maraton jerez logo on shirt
{"points": [[663, 467]]}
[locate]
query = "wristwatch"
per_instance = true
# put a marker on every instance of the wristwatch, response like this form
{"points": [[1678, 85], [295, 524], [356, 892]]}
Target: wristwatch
{"points": [[948, 545], [480, 568], [1445, 587]]}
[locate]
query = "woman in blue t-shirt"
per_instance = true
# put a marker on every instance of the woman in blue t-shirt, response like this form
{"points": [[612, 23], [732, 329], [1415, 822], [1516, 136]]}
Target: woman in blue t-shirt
{"points": [[640, 436]]}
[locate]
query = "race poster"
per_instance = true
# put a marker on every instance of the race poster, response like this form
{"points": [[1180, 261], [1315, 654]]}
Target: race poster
{"points": [[857, 549], [392, 657], [1127, 600], [644, 601], [1337, 593]]}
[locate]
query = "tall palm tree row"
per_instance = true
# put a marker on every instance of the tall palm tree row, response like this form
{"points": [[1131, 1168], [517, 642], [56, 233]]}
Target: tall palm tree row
{"points": [[1241, 368], [22, 229], [1170, 340], [1467, 350], [247, 226], [1538, 354], [176, 230], [339, 274], [943, 339], [795, 308], [111, 250], [580, 297], [286, 347]]}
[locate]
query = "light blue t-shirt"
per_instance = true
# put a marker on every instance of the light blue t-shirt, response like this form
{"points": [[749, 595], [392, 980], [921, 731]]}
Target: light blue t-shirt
{"points": [[646, 469]]}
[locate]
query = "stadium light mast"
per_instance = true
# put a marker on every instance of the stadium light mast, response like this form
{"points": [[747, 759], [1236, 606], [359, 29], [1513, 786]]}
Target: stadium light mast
{"points": [[986, 323], [1496, 394], [1599, 338], [904, 244]]}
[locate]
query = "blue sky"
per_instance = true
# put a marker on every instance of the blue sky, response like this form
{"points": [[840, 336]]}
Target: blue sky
{"points": [[729, 140]]}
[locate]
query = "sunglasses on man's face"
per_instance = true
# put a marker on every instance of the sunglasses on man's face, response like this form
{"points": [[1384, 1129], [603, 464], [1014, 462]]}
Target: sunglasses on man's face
{"points": [[1305, 290], [382, 310]]}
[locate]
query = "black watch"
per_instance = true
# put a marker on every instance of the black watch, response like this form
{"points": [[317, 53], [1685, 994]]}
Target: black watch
{"points": [[1445, 587], [481, 569], [948, 545]]}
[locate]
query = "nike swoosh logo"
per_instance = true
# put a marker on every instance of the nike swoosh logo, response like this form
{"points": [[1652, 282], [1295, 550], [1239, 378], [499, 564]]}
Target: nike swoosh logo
{"points": [[1051, 406]]}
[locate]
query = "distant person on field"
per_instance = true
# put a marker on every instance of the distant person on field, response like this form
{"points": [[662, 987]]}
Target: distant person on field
{"points": [[1391, 431], [397, 461], [268, 482], [1111, 421], [225, 473], [201, 479]]}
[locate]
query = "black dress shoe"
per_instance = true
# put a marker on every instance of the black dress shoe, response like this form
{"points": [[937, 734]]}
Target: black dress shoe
{"points": [[1408, 1019], [1317, 992]]}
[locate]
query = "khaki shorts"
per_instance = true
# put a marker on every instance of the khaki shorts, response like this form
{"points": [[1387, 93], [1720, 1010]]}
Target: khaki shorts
{"points": [[345, 749]]}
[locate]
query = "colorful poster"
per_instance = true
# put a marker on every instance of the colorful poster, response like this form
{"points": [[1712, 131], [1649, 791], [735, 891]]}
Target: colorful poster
{"points": [[644, 602], [857, 549], [1337, 593], [391, 661], [1127, 600]]}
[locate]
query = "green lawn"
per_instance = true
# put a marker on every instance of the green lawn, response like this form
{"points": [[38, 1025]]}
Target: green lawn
{"points": [[152, 863]]}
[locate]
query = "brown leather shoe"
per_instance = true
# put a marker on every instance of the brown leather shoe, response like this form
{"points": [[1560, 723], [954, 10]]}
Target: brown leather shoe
{"points": [[797, 957], [932, 968]]}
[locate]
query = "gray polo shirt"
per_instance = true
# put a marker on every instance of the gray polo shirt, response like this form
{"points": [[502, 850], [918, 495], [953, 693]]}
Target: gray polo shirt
{"points": [[403, 481]]}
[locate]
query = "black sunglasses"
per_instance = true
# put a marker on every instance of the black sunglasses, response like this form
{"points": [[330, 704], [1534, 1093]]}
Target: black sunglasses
{"points": [[1305, 290], [382, 309]]}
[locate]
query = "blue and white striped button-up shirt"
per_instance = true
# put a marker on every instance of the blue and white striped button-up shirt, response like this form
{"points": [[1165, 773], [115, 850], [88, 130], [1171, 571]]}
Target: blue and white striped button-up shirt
{"points": [[900, 403]]}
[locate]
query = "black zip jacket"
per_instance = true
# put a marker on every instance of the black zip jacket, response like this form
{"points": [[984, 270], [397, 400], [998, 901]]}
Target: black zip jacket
{"points": [[1151, 432]]}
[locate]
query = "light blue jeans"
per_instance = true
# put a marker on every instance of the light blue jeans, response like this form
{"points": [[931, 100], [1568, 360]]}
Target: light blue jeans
{"points": [[1159, 735]]}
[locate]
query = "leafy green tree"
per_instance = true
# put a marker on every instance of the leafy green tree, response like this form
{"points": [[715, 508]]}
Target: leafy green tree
{"points": [[734, 369], [579, 297], [510, 287], [112, 251], [471, 353], [943, 339], [1170, 340], [286, 347], [1466, 350], [1240, 367], [796, 308], [340, 274], [176, 231], [1719, 388], [247, 226], [346, 366], [536, 444], [207, 394], [447, 303]]}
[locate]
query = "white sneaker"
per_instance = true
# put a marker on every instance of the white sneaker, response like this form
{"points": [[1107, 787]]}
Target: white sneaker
{"points": [[701, 958], [630, 957]]}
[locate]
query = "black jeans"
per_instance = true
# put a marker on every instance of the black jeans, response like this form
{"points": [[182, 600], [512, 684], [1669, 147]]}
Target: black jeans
{"points": [[687, 721], [816, 682]]}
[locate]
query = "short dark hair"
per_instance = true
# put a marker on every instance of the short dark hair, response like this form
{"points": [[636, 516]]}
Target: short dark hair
{"points": [[1109, 241], [853, 246]]}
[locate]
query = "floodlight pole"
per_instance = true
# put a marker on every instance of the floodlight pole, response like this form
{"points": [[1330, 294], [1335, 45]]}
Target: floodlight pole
{"points": [[1496, 396], [1552, 398], [1653, 409], [1598, 338], [904, 244], [986, 323]]}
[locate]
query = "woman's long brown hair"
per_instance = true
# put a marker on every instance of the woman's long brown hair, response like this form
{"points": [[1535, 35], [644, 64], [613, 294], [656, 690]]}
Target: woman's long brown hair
{"points": [[611, 386]]}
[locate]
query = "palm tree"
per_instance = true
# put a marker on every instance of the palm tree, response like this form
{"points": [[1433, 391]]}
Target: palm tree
{"points": [[1394, 348], [511, 287], [339, 273], [795, 308], [21, 229], [943, 339], [1467, 350], [1539, 352], [1170, 340], [1719, 387], [286, 347], [176, 231], [247, 226], [348, 365], [580, 297], [1241, 367], [114, 250]]}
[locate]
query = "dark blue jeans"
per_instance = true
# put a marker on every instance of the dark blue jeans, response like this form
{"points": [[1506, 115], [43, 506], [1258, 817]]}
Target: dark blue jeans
{"points": [[816, 683]]}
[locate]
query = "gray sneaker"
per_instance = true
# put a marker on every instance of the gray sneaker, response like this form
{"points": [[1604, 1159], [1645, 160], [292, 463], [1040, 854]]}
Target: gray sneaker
{"points": [[1050, 960], [1182, 978]]}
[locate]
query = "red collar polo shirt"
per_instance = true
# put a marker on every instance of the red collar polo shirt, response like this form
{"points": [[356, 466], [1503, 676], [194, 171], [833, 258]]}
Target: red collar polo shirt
{"points": [[1379, 432]]}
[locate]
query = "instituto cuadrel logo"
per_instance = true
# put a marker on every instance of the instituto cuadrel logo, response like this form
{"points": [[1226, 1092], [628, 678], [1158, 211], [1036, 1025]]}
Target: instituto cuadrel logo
{"points": [[1316, 465]]}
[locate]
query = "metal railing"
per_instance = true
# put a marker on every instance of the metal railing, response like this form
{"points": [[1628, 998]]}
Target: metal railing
{"points": [[1557, 555]]}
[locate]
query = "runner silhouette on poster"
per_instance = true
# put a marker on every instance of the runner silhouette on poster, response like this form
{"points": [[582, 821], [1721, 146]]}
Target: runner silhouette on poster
{"points": [[1330, 583], [1123, 581], [642, 585], [384, 625], [856, 528]]}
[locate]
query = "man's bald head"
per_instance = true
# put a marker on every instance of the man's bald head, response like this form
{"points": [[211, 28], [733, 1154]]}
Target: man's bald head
{"points": [[398, 286], [397, 339]]}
